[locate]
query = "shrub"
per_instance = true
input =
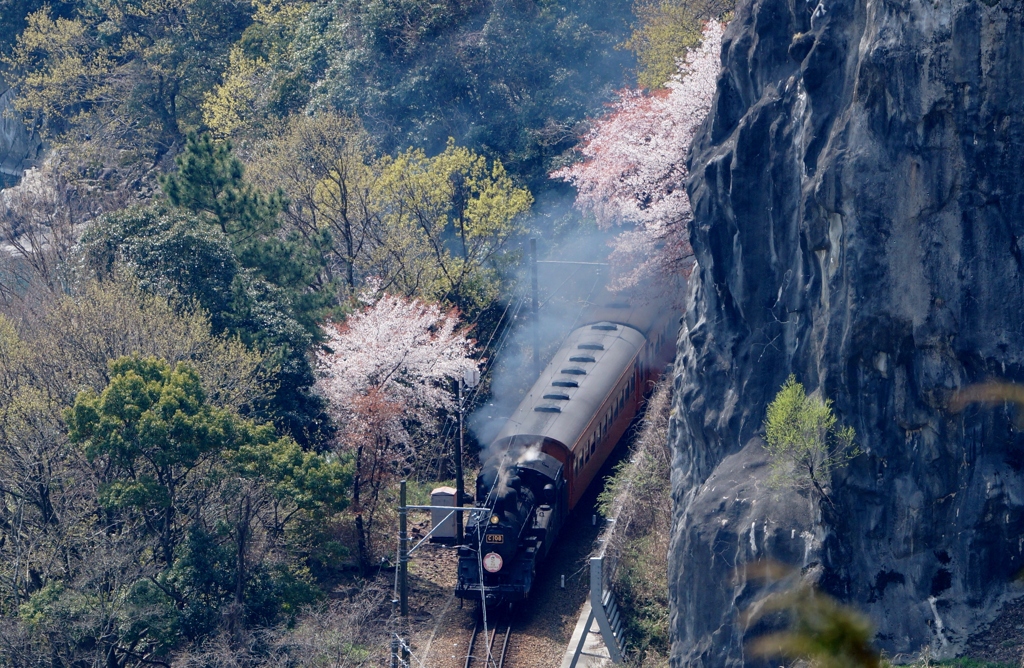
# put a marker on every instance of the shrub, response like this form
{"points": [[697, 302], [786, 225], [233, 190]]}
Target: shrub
{"points": [[804, 441]]}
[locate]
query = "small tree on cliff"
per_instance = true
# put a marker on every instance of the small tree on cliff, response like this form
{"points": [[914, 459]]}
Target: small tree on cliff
{"points": [[634, 167], [386, 373], [804, 442]]}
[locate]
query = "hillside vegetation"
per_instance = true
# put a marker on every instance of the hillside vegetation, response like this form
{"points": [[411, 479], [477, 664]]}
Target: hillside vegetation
{"points": [[266, 238]]}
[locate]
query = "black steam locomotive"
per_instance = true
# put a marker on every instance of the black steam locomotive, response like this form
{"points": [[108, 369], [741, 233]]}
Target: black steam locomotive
{"points": [[556, 441]]}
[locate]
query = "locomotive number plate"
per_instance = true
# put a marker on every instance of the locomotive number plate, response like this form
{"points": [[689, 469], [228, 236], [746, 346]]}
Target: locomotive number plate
{"points": [[495, 538]]}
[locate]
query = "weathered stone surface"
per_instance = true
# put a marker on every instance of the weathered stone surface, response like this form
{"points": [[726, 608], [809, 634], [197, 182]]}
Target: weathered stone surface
{"points": [[859, 221], [18, 147]]}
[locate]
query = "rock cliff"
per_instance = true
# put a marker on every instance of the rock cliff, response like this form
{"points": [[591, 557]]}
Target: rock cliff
{"points": [[18, 147], [858, 192]]}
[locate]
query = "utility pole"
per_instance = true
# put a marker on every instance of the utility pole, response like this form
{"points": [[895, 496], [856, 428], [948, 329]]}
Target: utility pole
{"points": [[536, 320], [470, 378], [403, 554], [460, 484]]}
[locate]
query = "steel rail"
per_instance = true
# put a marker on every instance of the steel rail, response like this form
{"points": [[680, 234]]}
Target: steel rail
{"points": [[490, 658]]}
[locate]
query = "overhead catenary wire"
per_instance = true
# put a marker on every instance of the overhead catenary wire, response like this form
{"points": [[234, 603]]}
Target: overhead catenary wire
{"points": [[505, 326], [450, 421]]}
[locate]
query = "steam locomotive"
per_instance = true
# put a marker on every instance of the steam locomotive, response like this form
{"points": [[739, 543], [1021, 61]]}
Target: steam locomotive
{"points": [[556, 441]]}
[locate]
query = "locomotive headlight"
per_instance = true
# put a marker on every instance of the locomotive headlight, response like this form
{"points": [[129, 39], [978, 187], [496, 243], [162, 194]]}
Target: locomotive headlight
{"points": [[495, 519]]}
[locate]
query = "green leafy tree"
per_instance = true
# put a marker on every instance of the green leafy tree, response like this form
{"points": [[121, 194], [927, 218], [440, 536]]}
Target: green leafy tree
{"points": [[437, 227], [126, 73], [261, 84], [665, 29], [210, 180], [47, 498], [326, 166], [447, 221], [804, 440], [14, 17], [216, 493], [179, 253], [158, 438]]}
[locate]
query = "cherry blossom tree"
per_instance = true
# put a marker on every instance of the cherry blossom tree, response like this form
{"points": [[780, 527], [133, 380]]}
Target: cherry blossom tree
{"points": [[634, 167], [386, 373]]}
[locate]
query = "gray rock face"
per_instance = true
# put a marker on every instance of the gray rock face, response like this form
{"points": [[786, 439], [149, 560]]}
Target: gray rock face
{"points": [[858, 192], [18, 146]]}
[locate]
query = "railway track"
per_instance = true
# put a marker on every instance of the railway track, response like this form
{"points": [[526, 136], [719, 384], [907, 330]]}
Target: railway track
{"points": [[483, 650]]}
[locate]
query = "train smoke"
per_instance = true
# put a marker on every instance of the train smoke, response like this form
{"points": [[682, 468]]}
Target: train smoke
{"points": [[566, 292]]}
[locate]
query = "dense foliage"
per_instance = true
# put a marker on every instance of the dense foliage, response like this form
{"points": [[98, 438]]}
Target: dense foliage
{"points": [[132, 74], [179, 253], [665, 30], [138, 508], [509, 79], [237, 292]]}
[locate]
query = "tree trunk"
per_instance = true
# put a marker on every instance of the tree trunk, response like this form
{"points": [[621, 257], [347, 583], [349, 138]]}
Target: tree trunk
{"points": [[237, 615], [242, 543], [362, 554]]}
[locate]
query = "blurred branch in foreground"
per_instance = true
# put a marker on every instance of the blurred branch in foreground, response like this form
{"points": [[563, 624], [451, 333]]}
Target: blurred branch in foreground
{"points": [[822, 631], [991, 394]]}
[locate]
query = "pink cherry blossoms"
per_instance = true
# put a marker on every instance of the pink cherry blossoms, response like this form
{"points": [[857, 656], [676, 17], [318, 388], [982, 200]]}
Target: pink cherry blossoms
{"points": [[386, 373], [396, 352], [633, 170]]}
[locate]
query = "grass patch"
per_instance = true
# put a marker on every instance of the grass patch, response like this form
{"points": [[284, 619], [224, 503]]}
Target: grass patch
{"points": [[639, 495], [966, 663]]}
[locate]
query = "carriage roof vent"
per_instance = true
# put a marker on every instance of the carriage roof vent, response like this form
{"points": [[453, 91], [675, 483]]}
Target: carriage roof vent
{"points": [[591, 346], [582, 358], [565, 383], [605, 327], [547, 408], [559, 396], [575, 371]]}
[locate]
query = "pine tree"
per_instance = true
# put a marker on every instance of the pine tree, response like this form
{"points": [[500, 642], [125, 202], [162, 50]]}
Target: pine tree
{"points": [[210, 181]]}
